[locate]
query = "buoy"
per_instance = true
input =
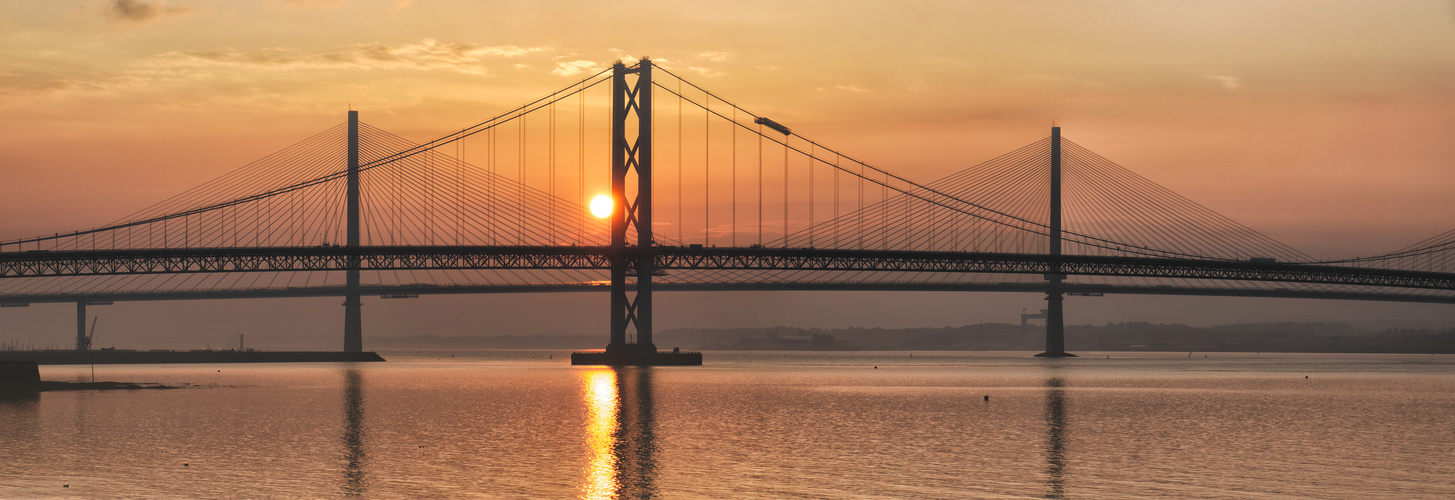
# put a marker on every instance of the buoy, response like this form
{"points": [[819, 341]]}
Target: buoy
{"points": [[876, 368], [186, 465], [65, 486], [1305, 376], [987, 397]]}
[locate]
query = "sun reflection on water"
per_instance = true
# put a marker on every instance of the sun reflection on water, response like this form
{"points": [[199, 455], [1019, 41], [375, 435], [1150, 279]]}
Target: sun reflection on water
{"points": [[601, 405]]}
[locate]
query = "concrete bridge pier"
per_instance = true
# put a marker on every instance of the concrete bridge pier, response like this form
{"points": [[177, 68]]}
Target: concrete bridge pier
{"points": [[1055, 328], [82, 343]]}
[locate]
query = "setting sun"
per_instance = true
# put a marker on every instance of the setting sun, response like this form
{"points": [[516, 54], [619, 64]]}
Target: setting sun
{"points": [[601, 206]]}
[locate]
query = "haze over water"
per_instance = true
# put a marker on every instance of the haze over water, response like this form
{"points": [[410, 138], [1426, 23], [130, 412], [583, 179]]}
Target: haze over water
{"points": [[516, 424]]}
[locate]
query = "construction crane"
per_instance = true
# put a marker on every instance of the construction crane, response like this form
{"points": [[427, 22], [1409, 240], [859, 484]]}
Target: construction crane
{"points": [[91, 336]]}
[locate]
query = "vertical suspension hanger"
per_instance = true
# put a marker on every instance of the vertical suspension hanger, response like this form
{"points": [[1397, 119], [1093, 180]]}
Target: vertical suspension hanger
{"points": [[680, 222], [459, 191], [735, 177], [581, 161], [551, 168], [836, 199], [860, 214], [520, 180], [707, 169], [491, 148], [812, 153]]}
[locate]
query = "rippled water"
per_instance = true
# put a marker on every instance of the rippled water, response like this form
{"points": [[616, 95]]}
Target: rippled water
{"points": [[770, 425]]}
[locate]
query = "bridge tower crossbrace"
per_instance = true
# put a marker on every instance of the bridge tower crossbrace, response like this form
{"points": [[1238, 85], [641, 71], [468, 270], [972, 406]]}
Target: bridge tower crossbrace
{"points": [[632, 160]]}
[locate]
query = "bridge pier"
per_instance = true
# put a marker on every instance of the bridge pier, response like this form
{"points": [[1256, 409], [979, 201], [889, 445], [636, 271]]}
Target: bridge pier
{"points": [[632, 310], [353, 324], [1055, 328], [82, 343]]}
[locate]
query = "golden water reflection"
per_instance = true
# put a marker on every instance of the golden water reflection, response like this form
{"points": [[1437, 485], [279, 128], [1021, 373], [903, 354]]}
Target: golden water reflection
{"points": [[353, 435], [619, 434], [1055, 437]]}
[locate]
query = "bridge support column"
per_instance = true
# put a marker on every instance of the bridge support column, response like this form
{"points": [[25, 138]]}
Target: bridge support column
{"points": [[83, 338], [1055, 328], [353, 324], [82, 343], [632, 210], [1055, 325], [353, 312]]}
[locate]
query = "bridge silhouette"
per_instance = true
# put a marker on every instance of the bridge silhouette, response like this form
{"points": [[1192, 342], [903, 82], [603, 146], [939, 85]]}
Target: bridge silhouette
{"points": [[750, 204]]}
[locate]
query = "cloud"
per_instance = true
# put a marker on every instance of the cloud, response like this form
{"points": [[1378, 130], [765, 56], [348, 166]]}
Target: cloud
{"points": [[313, 3], [851, 88], [707, 72], [428, 54], [570, 68], [51, 87], [1228, 82], [141, 11], [715, 56]]}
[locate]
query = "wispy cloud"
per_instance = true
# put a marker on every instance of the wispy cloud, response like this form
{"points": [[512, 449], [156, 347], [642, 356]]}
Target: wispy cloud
{"points": [[715, 56], [314, 3], [1228, 82], [571, 68], [705, 71], [141, 11], [428, 54]]}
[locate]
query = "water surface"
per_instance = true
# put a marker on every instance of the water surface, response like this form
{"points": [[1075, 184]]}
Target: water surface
{"points": [[516, 424]]}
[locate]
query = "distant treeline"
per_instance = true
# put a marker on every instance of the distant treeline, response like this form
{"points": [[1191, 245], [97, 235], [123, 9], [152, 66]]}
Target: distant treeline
{"points": [[1134, 336]]}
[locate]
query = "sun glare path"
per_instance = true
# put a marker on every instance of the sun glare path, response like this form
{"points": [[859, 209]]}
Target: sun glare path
{"points": [[601, 405]]}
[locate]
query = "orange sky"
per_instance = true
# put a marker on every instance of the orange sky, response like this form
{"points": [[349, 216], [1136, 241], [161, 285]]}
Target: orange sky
{"points": [[1323, 124]]}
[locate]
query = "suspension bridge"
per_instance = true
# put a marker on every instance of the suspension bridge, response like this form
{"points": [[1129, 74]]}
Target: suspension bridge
{"points": [[704, 195]]}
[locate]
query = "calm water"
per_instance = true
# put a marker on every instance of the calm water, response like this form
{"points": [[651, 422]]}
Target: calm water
{"points": [[517, 424]]}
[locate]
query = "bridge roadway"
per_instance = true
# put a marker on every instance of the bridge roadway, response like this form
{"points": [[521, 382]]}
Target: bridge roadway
{"points": [[1390, 284]]}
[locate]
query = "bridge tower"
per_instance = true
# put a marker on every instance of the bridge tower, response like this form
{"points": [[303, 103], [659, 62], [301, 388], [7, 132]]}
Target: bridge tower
{"points": [[631, 160], [1055, 326], [353, 312]]}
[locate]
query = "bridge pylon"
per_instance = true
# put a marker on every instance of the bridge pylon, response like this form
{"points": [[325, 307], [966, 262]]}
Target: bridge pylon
{"points": [[353, 307], [1055, 323], [632, 210]]}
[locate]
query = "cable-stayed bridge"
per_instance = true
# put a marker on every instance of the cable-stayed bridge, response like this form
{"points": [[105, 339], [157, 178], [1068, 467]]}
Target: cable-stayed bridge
{"points": [[707, 195]]}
